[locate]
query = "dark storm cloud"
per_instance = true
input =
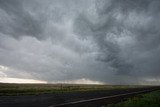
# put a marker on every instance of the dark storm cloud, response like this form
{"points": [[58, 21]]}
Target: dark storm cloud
{"points": [[112, 41], [16, 21], [140, 18]]}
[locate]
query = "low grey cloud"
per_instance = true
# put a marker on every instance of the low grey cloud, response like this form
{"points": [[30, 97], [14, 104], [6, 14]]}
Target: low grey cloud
{"points": [[115, 42], [17, 22]]}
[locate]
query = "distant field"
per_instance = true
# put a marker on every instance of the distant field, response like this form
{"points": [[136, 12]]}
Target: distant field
{"points": [[29, 89], [147, 100]]}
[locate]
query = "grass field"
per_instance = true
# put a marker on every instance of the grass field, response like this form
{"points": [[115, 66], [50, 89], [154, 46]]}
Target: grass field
{"points": [[27, 89], [147, 100]]}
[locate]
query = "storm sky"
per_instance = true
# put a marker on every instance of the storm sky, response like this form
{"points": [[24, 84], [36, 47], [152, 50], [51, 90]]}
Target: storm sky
{"points": [[95, 41]]}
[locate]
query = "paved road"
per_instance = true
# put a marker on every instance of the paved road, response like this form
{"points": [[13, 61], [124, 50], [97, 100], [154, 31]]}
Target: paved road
{"points": [[45, 100]]}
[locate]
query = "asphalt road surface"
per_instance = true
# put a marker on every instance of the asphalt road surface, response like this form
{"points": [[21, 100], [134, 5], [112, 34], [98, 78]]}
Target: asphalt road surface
{"points": [[46, 100]]}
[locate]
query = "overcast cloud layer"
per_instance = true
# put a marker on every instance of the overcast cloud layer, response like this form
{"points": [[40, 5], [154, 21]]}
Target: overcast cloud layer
{"points": [[109, 41]]}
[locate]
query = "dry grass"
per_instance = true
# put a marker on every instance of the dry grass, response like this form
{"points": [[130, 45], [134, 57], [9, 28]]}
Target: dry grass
{"points": [[27, 89]]}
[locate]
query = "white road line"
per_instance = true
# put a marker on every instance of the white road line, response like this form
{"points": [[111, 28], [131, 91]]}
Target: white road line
{"points": [[100, 98]]}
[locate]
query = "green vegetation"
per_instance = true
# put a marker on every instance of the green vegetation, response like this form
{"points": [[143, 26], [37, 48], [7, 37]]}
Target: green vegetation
{"points": [[27, 89], [147, 100]]}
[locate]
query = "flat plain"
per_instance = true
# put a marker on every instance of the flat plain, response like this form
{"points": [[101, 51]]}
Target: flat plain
{"points": [[45, 95], [30, 89]]}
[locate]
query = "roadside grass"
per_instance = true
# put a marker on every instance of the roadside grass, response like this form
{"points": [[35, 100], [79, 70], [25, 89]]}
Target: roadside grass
{"points": [[33, 89], [147, 100]]}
